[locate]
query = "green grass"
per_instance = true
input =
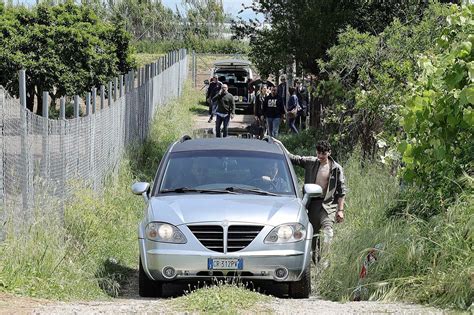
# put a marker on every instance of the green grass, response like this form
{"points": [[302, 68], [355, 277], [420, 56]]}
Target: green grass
{"points": [[91, 252], [221, 298]]}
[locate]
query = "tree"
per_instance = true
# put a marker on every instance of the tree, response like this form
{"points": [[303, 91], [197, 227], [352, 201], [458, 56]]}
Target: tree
{"points": [[368, 77], [438, 116], [202, 19], [149, 20], [65, 50], [306, 29]]}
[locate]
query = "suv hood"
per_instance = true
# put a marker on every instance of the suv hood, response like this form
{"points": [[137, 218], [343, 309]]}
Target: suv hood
{"points": [[194, 208]]}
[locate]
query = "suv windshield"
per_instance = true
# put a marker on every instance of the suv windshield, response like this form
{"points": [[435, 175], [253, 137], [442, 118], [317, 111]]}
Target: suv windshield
{"points": [[237, 171]]}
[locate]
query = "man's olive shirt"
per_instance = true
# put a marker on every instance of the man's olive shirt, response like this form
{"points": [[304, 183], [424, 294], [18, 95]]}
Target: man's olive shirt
{"points": [[336, 186]]}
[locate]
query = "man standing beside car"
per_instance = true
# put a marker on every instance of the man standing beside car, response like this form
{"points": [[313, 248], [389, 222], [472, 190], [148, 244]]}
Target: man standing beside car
{"points": [[329, 208], [214, 88], [225, 110]]}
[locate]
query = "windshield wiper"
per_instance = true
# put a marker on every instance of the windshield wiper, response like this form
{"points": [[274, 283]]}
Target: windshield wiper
{"points": [[183, 190], [250, 190]]}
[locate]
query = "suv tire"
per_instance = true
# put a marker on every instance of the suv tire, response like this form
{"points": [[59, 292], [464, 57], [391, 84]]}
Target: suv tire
{"points": [[301, 289], [146, 286]]}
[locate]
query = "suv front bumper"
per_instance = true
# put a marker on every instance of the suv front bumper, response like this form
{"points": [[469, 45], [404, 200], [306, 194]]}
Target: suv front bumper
{"points": [[257, 264]]}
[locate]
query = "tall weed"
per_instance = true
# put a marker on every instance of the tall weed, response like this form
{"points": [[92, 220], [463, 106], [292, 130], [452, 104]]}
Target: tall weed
{"points": [[428, 261]]}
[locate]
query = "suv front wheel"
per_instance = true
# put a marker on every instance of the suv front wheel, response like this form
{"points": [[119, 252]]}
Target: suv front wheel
{"points": [[146, 286], [301, 289]]}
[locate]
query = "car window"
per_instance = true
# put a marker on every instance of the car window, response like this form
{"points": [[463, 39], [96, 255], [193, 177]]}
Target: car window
{"points": [[235, 76], [221, 169]]}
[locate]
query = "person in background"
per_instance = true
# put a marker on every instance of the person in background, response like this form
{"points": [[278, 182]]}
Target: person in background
{"points": [[293, 106], [263, 80], [281, 89], [259, 99], [225, 110], [273, 110], [323, 212], [214, 88], [303, 100]]}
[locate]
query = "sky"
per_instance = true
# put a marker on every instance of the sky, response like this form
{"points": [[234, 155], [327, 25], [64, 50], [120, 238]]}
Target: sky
{"points": [[230, 6]]}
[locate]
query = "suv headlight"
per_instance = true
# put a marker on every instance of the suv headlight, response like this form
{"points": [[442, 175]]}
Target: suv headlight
{"points": [[286, 233], [164, 232]]}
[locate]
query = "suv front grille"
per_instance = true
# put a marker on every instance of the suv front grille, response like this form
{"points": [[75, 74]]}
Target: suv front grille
{"points": [[238, 236], [211, 236]]}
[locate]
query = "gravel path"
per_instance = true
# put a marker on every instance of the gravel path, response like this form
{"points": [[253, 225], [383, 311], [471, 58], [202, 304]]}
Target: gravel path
{"points": [[137, 305]]}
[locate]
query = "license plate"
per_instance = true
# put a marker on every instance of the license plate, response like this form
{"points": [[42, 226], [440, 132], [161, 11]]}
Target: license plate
{"points": [[225, 263]]}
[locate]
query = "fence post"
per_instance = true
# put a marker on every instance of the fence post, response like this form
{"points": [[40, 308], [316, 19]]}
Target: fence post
{"points": [[76, 106], [179, 73], [62, 150], [102, 97], [88, 103], [22, 80], [115, 88], [62, 108], [45, 145], [194, 68], [121, 86], [24, 145], [93, 99], [109, 95]]}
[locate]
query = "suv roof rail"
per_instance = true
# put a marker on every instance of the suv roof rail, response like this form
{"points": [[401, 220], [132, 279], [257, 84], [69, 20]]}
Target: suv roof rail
{"points": [[184, 138], [268, 139]]}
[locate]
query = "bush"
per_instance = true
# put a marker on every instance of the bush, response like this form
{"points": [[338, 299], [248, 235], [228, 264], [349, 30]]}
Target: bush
{"points": [[438, 117]]}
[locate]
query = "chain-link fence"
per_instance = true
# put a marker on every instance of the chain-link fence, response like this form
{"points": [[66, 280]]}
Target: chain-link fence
{"points": [[42, 158]]}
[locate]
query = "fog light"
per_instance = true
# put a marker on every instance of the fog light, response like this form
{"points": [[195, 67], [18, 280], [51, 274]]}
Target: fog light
{"points": [[169, 272], [281, 273]]}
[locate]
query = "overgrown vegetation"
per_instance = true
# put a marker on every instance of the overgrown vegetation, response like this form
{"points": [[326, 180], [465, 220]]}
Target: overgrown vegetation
{"points": [[65, 49], [409, 101], [418, 261], [88, 253], [231, 298], [438, 118]]}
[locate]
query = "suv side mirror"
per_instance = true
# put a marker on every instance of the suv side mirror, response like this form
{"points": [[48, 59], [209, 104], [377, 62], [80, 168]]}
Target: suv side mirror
{"points": [[311, 191], [206, 82], [141, 188]]}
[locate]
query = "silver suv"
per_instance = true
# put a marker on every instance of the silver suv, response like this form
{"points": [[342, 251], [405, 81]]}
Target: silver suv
{"points": [[224, 208]]}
